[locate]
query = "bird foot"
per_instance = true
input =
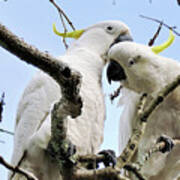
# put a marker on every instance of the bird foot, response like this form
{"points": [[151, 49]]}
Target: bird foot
{"points": [[168, 143], [109, 157]]}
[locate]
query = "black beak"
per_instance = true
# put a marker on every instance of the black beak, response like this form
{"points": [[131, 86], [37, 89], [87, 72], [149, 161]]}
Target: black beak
{"points": [[121, 38], [115, 72]]}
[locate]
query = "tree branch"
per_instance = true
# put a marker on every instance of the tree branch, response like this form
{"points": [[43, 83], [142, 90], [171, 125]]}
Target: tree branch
{"points": [[161, 22], [28, 175], [6, 131], [101, 174], [151, 42], [63, 13]]}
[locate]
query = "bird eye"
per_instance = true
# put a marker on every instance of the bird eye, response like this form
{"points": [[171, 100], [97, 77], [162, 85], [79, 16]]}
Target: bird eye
{"points": [[110, 29], [131, 62]]}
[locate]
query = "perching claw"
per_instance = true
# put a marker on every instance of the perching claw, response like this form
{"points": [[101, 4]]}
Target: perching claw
{"points": [[74, 34], [162, 47]]}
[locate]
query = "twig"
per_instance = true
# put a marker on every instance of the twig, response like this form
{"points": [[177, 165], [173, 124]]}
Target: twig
{"points": [[62, 12], [65, 31], [6, 131], [142, 119], [151, 42], [28, 175], [116, 93], [2, 103], [161, 22]]}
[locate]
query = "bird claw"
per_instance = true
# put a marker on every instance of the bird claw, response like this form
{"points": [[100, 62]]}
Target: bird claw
{"points": [[109, 157], [168, 143]]}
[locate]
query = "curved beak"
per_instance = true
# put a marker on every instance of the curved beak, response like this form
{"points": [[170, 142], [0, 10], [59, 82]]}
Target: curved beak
{"points": [[121, 38], [115, 72]]}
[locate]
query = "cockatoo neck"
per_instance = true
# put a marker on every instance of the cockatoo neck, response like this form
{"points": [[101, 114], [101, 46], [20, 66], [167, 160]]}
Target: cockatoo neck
{"points": [[87, 62]]}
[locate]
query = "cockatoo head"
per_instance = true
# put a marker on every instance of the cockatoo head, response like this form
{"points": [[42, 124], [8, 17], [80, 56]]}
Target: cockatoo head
{"points": [[99, 37], [139, 66]]}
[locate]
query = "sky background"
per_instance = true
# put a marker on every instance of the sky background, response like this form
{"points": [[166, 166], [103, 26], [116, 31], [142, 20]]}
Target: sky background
{"points": [[32, 21]]}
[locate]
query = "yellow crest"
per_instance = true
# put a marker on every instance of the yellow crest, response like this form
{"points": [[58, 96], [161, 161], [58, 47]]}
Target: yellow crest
{"points": [[74, 34], [160, 48]]}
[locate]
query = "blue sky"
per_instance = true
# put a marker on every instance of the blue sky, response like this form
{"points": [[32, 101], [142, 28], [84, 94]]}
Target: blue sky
{"points": [[32, 21]]}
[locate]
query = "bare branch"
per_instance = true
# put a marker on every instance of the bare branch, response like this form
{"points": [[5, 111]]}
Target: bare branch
{"points": [[6, 131], [142, 119], [163, 24], [28, 175], [151, 42], [62, 12]]}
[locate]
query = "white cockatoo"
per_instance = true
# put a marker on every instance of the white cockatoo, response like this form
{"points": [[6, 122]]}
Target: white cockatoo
{"points": [[33, 123], [143, 71]]}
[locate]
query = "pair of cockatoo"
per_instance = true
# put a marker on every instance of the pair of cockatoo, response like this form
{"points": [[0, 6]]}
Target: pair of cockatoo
{"points": [[33, 123], [141, 70]]}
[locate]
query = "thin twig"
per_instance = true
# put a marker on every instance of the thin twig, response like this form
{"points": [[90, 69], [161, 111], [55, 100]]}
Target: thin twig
{"points": [[28, 175], [161, 22], [151, 42], [2, 103], [6, 131], [62, 12], [65, 31], [116, 93]]}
